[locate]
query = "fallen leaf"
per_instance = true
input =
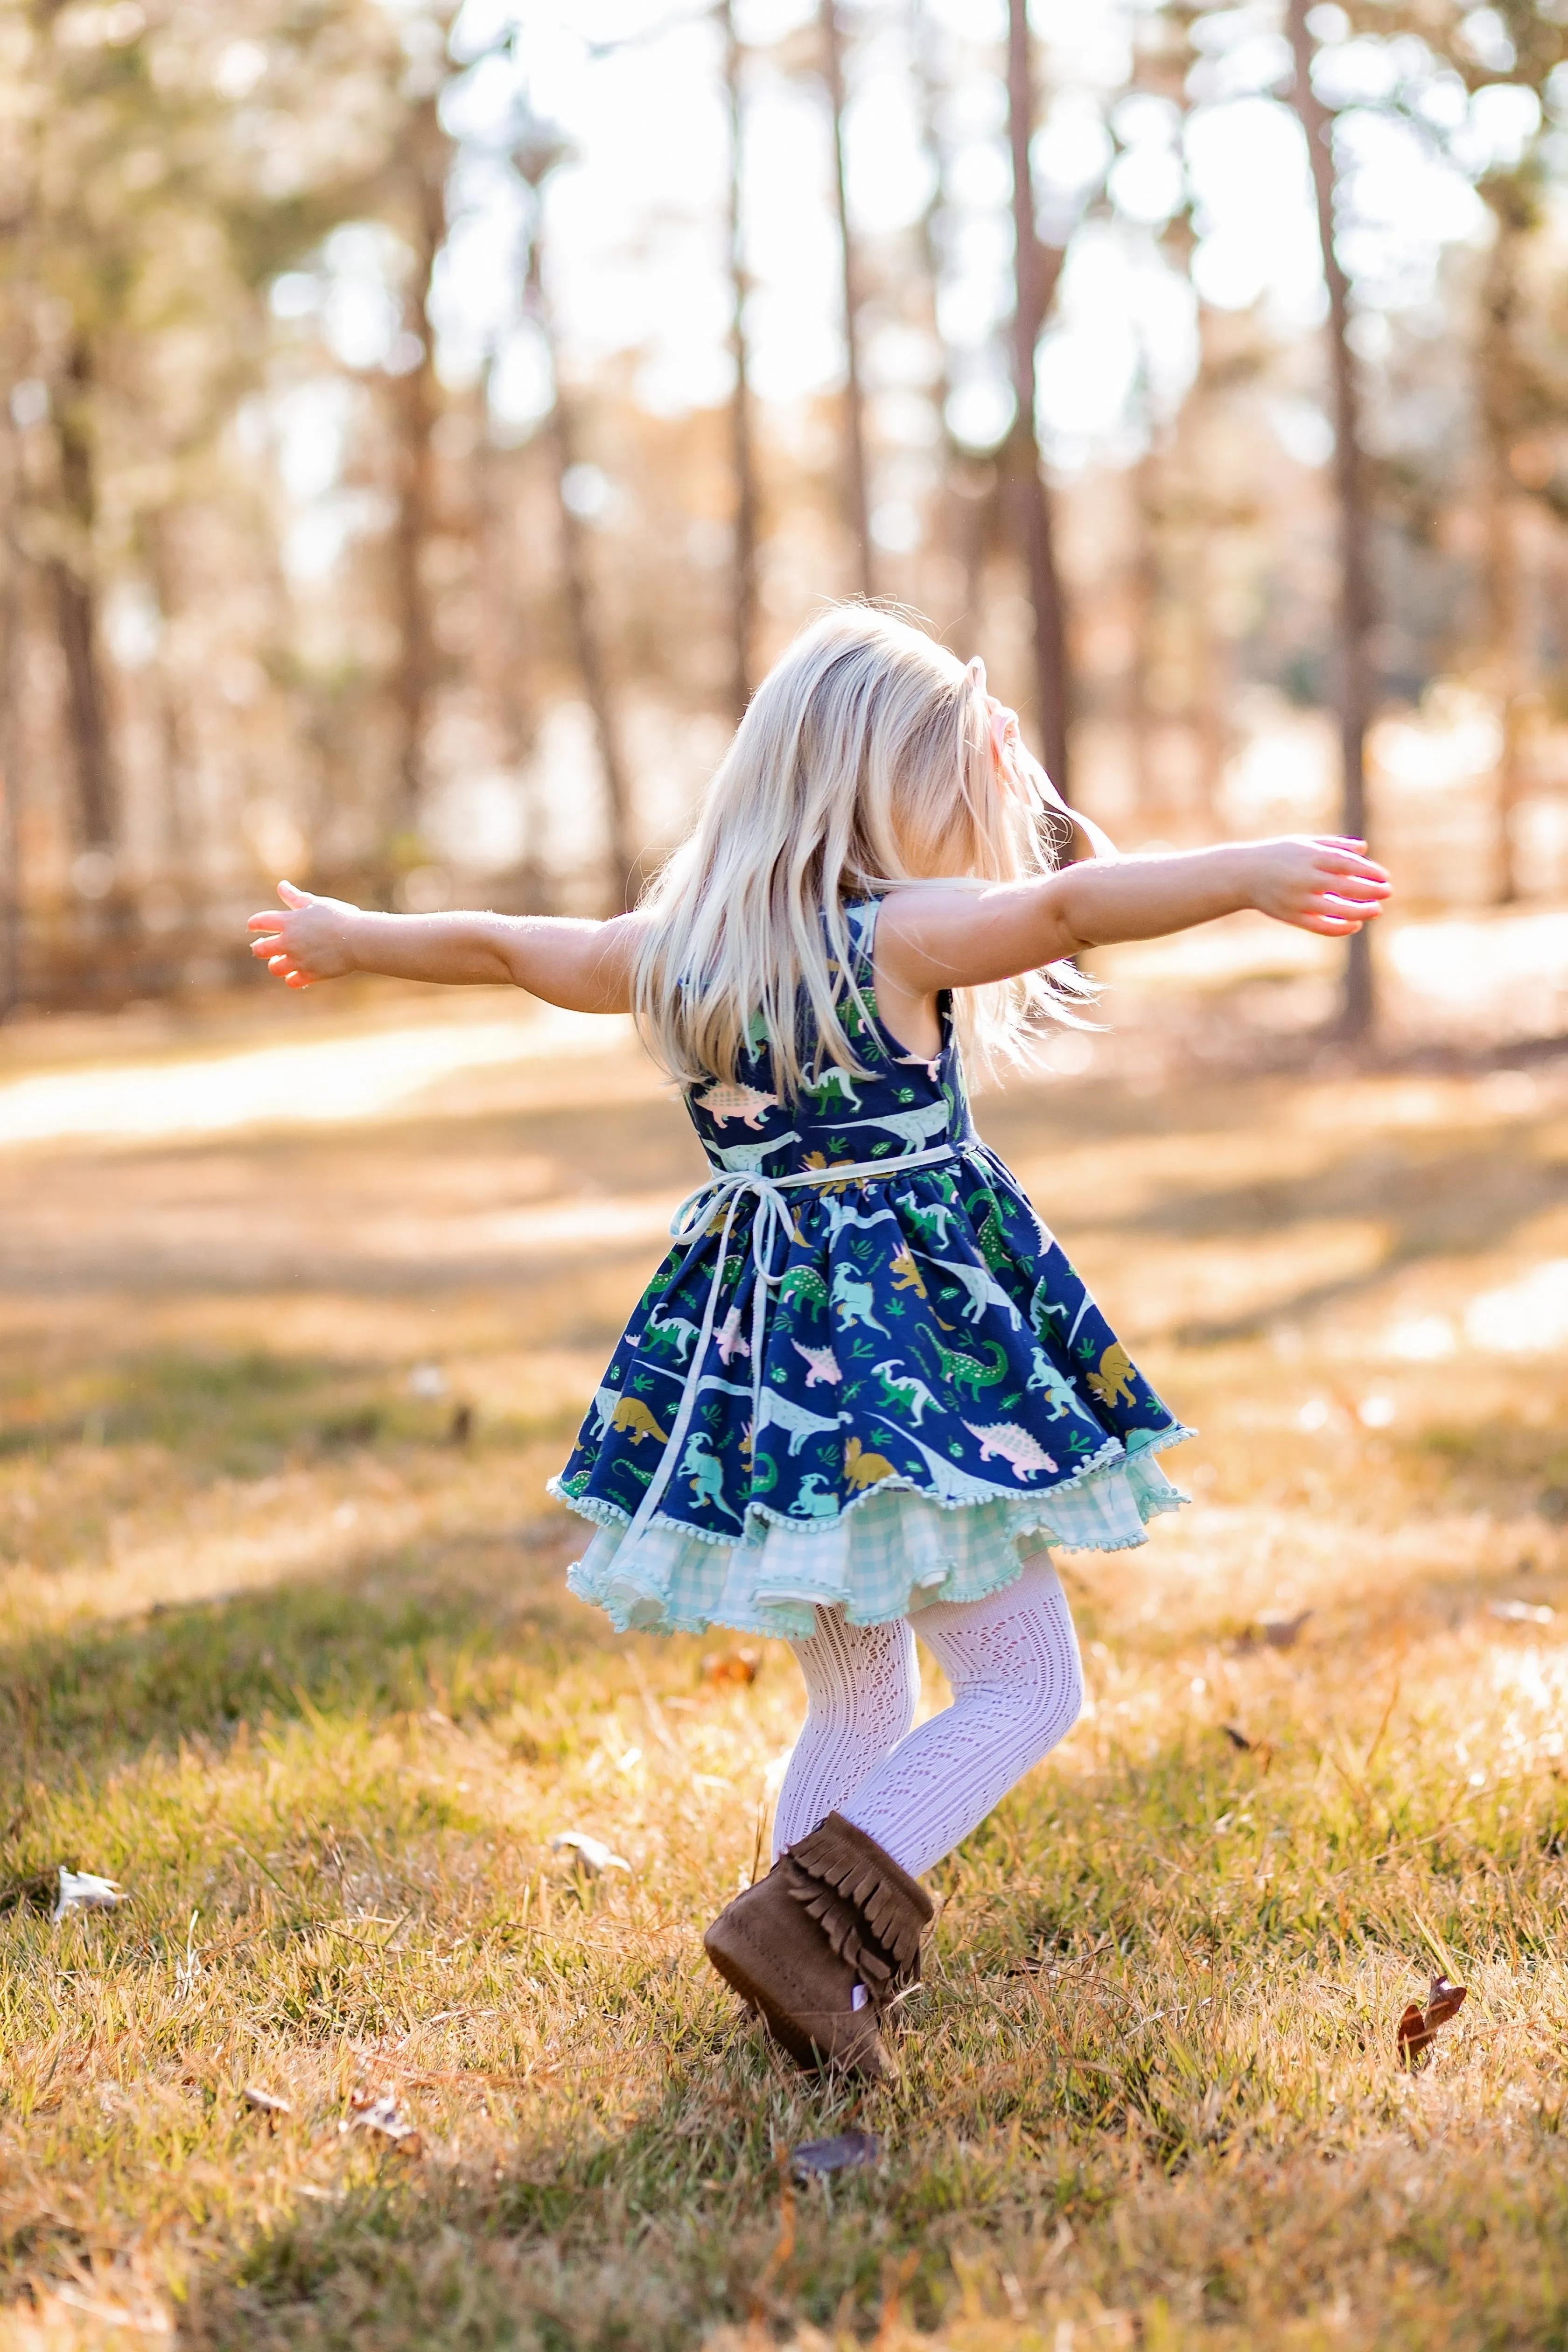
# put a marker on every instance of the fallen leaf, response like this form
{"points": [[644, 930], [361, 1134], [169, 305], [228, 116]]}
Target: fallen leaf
{"points": [[265, 2102], [82, 1890], [1522, 1612], [731, 1667], [813, 2159], [1282, 1633], [1263, 1749], [593, 1854], [1419, 2026], [379, 2112]]}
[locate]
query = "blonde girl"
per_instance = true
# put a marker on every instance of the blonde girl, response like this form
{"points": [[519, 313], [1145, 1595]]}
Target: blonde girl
{"points": [[865, 1392]]}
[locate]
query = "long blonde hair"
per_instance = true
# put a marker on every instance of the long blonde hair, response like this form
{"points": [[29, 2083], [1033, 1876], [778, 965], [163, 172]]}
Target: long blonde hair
{"points": [[864, 763]]}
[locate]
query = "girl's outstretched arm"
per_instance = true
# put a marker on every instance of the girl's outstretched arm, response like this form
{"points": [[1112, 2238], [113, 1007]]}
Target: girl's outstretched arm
{"points": [[945, 936], [580, 964]]}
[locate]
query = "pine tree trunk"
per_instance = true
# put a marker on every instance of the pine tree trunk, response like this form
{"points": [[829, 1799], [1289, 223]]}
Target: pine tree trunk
{"points": [[1354, 617], [10, 777], [857, 493], [416, 405], [582, 610], [75, 596], [742, 455], [1501, 627], [954, 532], [1145, 587], [1037, 268]]}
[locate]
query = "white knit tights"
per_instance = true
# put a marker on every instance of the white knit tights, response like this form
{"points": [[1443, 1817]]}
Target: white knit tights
{"points": [[1013, 1664]]}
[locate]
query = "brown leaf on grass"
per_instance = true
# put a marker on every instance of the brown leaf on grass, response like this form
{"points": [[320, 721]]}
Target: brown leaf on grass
{"points": [[1419, 2026], [740, 1667], [1262, 1748], [1282, 1633], [813, 2159], [378, 2111]]}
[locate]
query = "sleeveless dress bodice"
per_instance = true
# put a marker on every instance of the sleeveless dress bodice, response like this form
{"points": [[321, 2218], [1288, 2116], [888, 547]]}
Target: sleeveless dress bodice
{"points": [[922, 1392]]}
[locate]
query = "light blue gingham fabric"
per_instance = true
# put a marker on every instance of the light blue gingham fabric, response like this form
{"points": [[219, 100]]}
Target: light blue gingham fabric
{"points": [[888, 1556]]}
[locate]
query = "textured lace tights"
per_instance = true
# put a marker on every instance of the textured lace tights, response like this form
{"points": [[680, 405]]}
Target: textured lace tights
{"points": [[1012, 1663]]}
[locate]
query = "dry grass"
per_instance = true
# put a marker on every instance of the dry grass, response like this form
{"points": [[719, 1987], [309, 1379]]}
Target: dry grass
{"points": [[301, 1674]]}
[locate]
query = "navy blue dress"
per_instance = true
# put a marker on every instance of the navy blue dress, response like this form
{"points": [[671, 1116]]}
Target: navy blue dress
{"points": [[937, 1394]]}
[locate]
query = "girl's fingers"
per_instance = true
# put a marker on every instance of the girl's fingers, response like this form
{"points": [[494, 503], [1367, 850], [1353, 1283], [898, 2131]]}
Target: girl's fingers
{"points": [[1362, 869], [1344, 909]]}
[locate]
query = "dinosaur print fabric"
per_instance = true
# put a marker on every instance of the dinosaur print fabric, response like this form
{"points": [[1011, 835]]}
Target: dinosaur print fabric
{"points": [[937, 1386]]}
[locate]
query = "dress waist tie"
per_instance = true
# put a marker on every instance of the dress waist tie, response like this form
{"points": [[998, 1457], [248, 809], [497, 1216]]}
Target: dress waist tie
{"points": [[725, 1194]]}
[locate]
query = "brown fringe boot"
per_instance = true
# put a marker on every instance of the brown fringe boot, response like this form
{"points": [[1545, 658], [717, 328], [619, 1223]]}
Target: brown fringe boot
{"points": [[835, 1913]]}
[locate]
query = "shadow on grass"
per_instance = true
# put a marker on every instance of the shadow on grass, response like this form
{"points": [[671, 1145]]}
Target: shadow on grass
{"points": [[638, 2237], [243, 1413], [456, 1629]]}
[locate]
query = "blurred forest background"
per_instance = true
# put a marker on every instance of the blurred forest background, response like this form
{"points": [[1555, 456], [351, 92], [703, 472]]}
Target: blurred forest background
{"points": [[422, 426]]}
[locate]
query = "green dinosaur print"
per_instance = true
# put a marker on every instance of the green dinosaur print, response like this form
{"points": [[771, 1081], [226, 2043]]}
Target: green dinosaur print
{"points": [[963, 1372], [829, 1081], [993, 1240], [981, 1207], [930, 1223], [903, 1393], [803, 1282]]}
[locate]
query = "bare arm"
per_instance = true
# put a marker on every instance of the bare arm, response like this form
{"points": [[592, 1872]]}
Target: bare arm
{"points": [[935, 937], [581, 965]]}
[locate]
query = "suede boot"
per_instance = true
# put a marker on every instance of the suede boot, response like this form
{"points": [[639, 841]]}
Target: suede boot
{"points": [[835, 1913]]}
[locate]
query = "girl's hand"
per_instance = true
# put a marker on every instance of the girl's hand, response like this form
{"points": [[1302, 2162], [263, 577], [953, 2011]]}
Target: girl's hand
{"points": [[1323, 883], [307, 940]]}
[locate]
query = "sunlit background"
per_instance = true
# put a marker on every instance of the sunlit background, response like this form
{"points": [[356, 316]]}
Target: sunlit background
{"points": [[424, 428]]}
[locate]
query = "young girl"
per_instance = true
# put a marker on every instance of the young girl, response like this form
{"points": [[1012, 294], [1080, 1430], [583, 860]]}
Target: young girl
{"points": [[864, 1391]]}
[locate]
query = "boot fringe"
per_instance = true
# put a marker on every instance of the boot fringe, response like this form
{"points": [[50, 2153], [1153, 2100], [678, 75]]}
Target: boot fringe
{"points": [[871, 1911]]}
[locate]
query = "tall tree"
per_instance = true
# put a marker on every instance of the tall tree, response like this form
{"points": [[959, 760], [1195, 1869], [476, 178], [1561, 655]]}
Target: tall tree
{"points": [[73, 584], [536, 154], [1037, 268], [418, 202], [857, 489], [1355, 602], [11, 900], [744, 620], [1501, 407]]}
